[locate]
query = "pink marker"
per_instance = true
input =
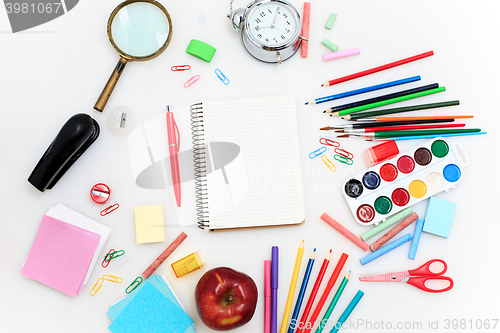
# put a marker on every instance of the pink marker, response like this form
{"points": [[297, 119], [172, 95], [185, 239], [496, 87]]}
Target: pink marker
{"points": [[341, 54], [173, 148], [267, 296]]}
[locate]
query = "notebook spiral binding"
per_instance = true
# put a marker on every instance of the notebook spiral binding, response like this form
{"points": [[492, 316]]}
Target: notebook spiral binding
{"points": [[200, 164]]}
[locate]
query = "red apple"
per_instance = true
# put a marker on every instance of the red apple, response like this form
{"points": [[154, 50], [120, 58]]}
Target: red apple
{"points": [[225, 298]]}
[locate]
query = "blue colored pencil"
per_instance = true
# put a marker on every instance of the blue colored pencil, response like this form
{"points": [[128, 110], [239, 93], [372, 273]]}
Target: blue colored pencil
{"points": [[415, 137], [347, 311], [300, 297], [364, 90]]}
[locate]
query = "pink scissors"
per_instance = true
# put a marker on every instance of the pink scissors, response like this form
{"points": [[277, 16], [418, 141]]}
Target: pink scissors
{"points": [[422, 275]]}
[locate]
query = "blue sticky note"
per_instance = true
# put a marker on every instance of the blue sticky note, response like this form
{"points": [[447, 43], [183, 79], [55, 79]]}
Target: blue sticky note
{"points": [[416, 238], [150, 311], [439, 217]]}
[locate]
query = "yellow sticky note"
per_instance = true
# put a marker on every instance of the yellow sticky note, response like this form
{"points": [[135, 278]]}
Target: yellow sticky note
{"points": [[149, 225]]}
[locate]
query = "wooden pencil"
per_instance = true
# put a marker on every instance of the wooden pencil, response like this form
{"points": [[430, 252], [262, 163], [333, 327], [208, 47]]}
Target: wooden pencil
{"points": [[433, 118]]}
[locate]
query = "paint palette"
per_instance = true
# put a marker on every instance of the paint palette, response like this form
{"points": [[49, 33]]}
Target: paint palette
{"points": [[404, 180]]}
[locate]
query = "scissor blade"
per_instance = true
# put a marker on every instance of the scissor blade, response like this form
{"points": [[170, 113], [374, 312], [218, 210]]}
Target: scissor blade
{"points": [[389, 277]]}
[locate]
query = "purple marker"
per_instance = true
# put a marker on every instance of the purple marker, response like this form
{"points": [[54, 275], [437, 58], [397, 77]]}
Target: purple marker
{"points": [[274, 290]]}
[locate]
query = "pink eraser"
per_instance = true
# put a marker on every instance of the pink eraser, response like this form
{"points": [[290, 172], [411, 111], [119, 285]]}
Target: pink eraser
{"points": [[341, 54], [344, 231], [304, 48]]}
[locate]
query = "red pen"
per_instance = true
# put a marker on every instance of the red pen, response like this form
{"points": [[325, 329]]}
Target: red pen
{"points": [[173, 148]]}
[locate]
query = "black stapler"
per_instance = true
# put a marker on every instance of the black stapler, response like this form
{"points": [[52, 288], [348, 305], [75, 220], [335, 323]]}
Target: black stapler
{"points": [[77, 134]]}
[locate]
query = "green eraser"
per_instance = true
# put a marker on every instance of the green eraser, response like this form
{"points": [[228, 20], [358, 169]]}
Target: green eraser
{"points": [[200, 50], [329, 45], [330, 21]]}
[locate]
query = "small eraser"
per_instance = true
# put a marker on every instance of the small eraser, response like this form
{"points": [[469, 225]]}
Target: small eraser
{"points": [[439, 217], [330, 21], [329, 45], [200, 50]]}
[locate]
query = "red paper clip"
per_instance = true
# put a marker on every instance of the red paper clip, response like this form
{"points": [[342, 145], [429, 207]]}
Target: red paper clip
{"points": [[192, 80], [109, 209], [328, 142], [344, 153], [180, 68], [104, 262]]}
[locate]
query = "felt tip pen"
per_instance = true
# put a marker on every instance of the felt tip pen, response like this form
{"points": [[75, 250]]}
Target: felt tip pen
{"points": [[274, 290]]}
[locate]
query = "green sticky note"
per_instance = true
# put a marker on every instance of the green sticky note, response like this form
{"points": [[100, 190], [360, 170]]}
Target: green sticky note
{"points": [[200, 50]]}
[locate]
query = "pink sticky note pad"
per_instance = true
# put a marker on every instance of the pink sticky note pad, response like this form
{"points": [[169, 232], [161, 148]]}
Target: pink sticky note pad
{"points": [[60, 255]]}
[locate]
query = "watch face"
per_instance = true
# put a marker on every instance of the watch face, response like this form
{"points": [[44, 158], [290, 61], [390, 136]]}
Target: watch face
{"points": [[272, 24]]}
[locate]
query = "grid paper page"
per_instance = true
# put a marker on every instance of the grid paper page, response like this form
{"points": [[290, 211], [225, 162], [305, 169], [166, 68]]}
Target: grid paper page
{"points": [[262, 185]]}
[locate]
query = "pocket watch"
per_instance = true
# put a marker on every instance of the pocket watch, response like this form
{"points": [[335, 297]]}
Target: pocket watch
{"points": [[270, 29]]}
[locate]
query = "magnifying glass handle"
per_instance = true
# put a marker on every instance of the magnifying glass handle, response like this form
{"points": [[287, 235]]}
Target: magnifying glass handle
{"points": [[108, 89]]}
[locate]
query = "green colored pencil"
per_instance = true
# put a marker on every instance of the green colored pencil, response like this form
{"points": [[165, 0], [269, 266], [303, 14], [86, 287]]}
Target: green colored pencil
{"points": [[388, 101], [335, 299], [401, 109], [390, 134]]}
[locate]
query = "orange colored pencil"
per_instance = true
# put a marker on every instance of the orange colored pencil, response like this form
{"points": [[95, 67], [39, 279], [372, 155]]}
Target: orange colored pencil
{"points": [[314, 291], [414, 118]]}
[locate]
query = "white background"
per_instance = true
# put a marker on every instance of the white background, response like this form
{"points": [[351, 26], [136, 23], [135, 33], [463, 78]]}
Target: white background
{"points": [[51, 72]]}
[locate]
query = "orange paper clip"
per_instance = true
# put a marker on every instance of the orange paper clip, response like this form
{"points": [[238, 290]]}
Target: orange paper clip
{"points": [[180, 68], [192, 80], [109, 209], [105, 262], [344, 153], [329, 163], [328, 142], [96, 287]]}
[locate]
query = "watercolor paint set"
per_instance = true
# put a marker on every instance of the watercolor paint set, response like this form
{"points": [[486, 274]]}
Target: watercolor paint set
{"points": [[404, 180]]}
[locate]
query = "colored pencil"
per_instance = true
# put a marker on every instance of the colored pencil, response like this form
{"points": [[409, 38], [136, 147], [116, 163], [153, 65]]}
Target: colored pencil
{"points": [[291, 291], [388, 101], [300, 297], [384, 124], [396, 128], [326, 292], [381, 98], [416, 137], [333, 303], [401, 109], [436, 118], [347, 311], [363, 90], [314, 291], [391, 134], [378, 69]]}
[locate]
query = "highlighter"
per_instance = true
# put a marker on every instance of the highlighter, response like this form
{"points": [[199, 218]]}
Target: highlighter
{"points": [[188, 264]]}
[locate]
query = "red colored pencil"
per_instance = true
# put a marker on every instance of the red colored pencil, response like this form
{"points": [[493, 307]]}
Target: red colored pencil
{"points": [[398, 128], [326, 292], [378, 69], [314, 291]]}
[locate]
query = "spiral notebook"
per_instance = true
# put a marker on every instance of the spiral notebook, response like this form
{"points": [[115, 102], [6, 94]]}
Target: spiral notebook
{"points": [[247, 163]]}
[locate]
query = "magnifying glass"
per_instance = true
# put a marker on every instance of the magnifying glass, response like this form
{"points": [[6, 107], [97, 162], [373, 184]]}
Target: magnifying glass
{"points": [[139, 30]]}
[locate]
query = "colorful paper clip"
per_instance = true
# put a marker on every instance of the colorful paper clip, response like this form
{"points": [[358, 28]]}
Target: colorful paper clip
{"points": [[109, 209], [112, 278], [180, 68], [329, 163], [192, 80], [344, 153], [201, 19], [343, 159], [317, 152], [121, 260], [328, 142], [96, 287], [113, 255], [134, 284], [222, 77], [104, 262]]}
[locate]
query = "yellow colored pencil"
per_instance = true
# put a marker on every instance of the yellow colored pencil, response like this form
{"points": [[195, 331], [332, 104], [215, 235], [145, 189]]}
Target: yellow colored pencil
{"points": [[291, 292]]}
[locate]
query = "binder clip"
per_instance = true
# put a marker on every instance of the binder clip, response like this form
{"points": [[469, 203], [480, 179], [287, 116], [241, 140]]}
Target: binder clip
{"points": [[329, 163], [317, 152], [328, 142], [74, 138]]}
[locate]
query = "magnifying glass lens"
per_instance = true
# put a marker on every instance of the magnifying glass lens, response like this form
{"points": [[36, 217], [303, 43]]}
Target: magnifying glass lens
{"points": [[140, 29]]}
